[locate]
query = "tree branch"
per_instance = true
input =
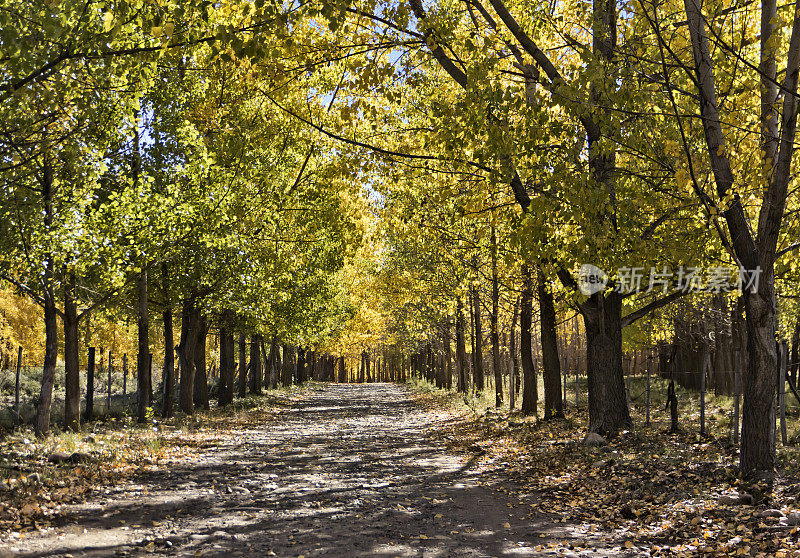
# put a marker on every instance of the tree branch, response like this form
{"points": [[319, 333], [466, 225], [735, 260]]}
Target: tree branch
{"points": [[647, 308]]}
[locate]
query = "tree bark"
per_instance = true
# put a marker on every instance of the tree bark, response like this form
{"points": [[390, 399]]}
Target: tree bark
{"points": [[448, 355], [461, 351], [168, 372], [477, 356], [795, 352], [143, 386], [255, 365], [242, 365], [288, 362], [43, 404], [495, 317], [551, 366], [530, 389], [186, 354], [512, 394], [301, 365], [200, 391], [274, 357], [608, 405], [72, 387], [227, 366]]}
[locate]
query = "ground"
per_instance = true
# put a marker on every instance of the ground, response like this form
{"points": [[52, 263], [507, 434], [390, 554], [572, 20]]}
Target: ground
{"points": [[390, 470], [343, 470]]}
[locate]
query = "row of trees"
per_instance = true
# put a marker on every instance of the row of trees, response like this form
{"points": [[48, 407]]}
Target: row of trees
{"points": [[629, 137], [147, 175], [343, 174]]}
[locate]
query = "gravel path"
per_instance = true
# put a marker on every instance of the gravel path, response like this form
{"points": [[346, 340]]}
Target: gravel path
{"points": [[352, 470]]}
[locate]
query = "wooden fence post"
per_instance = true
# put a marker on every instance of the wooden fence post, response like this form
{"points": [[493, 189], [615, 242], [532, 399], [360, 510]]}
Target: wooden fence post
{"points": [[16, 383], [108, 396], [124, 379], [89, 411]]}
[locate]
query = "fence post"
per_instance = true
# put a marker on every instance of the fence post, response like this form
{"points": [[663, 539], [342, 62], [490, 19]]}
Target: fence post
{"points": [[16, 383], [737, 389], [124, 379], [782, 389], [89, 411], [108, 395]]}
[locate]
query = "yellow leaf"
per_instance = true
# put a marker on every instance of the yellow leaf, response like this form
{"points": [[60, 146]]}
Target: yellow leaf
{"points": [[108, 22]]}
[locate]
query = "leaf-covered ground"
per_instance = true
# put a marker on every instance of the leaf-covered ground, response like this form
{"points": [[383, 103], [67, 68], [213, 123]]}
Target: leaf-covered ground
{"points": [[666, 494], [381, 470]]}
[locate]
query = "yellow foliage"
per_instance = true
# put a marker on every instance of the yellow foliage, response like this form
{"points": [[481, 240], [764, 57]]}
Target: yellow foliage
{"points": [[21, 323]]}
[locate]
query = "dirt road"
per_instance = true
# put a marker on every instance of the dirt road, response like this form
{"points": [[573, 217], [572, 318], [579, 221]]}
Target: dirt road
{"points": [[352, 470]]}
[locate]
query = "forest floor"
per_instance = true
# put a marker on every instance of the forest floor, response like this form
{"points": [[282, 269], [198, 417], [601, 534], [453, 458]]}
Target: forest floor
{"points": [[378, 470]]}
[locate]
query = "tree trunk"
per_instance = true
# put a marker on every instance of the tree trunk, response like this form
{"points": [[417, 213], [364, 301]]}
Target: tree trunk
{"points": [[273, 363], [311, 359], [72, 386], [288, 361], [242, 365], [342, 373], [448, 355], [477, 355], [186, 354], [608, 405], [758, 405], [461, 350], [200, 392], [43, 404], [551, 366], [42, 423], [514, 359], [143, 386], [530, 389], [226, 367], [795, 352], [168, 372], [495, 317], [756, 253], [255, 365], [301, 365]]}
